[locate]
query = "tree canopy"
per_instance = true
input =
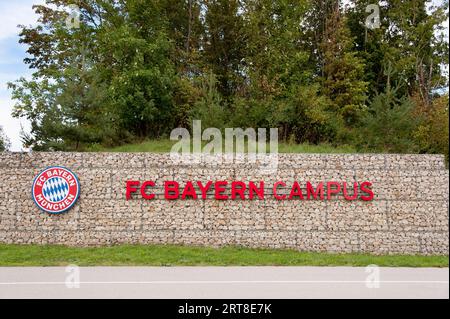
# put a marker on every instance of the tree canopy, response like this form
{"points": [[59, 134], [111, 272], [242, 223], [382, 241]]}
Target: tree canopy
{"points": [[136, 69]]}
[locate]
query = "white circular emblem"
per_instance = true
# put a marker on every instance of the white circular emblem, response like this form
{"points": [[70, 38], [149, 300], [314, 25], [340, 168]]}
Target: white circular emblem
{"points": [[55, 189]]}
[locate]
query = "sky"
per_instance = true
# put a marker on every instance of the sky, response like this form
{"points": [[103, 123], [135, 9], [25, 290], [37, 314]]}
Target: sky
{"points": [[11, 62], [12, 53]]}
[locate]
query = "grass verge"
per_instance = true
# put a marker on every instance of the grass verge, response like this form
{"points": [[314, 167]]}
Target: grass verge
{"points": [[170, 255], [165, 145]]}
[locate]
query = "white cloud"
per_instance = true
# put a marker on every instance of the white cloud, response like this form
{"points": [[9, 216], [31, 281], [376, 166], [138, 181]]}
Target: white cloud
{"points": [[15, 13]]}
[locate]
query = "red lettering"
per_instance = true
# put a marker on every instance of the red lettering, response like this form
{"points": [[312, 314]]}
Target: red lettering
{"points": [[131, 188], [275, 186], [355, 191], [189, 191], [259, 191], [367, 191], [310, 191], [220, 188], [331, 191], [144, 187], [238, 188], [255, 190], [296, 191], [171, 186], [204, 189]]}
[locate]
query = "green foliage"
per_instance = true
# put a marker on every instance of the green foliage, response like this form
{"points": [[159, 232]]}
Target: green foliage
{"points": [[252, 113], [342, 70], [305, 117], [136, 69], [410, 38], [141, 88], [209, 108], [389, 125], [432, 135], [4, 142], [225, 43], [276, 59]]}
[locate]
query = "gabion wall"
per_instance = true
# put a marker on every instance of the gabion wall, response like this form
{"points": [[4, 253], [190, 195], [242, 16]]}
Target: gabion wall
{"points": [[409, 214]]}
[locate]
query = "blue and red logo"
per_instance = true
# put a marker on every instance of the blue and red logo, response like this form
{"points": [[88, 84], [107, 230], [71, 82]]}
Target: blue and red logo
{"points": [[55, 189]]}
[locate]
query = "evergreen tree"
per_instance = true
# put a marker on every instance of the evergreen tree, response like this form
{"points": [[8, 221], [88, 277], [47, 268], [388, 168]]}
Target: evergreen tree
{"points": [[390, 124], [342, 69]]}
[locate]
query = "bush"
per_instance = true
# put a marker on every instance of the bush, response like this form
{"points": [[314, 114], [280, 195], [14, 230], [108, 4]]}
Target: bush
{"points": [[209, 107], [432, 135], [389, 125]]}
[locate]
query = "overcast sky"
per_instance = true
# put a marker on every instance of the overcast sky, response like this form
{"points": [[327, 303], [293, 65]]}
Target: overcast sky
{"points": [[12, 53]]}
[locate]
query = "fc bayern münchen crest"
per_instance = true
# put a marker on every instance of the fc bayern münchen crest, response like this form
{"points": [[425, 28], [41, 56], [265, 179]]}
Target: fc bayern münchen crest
{"points": [[55, 189]]}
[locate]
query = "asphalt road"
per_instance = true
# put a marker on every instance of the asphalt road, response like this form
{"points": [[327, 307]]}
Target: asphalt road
{"points": [[223, 282]]}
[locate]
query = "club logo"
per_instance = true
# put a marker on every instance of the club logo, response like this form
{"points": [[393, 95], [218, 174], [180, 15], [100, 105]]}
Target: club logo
{"points": [[55, 189]]}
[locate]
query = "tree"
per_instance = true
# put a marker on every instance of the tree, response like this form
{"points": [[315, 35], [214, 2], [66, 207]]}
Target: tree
{"points": [[410, 40], [276, 57], [61, 100], [282, 90], [208, 108], [342, 70], [432, 135], [136, 69], [415, 47], [369, 44], [186, 30], [390, 124], [224, 46], [105, 82]]}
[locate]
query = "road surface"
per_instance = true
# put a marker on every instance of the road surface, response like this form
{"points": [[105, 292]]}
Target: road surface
{"points": [[223, 282]]}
